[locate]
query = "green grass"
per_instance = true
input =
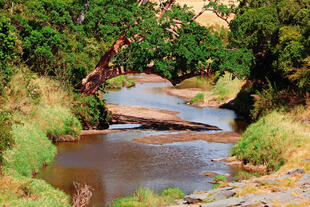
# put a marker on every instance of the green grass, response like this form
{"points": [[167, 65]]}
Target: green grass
{"points": [[199, 98], [119, 82], [271, 140], [218, 178], [244, 175], [39, 111], [147, 198], [227, 87], [174, 193]]}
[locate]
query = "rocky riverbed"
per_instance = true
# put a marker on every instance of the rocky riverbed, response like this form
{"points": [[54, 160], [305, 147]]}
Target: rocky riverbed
{"points": [[289, 189]]}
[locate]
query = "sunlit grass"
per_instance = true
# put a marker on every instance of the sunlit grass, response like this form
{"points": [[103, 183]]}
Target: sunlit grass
{"points": [[147, 198]]}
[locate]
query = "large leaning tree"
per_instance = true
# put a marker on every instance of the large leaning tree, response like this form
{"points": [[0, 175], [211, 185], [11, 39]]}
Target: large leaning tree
{"points": [[162, 38]]}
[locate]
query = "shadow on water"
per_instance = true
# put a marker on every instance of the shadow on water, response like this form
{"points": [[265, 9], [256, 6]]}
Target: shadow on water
{"points": [[115, 166]]}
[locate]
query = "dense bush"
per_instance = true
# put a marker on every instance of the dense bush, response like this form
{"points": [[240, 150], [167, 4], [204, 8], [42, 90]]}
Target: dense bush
{"points": [[268, 141], [91, 111], [7, 39]]}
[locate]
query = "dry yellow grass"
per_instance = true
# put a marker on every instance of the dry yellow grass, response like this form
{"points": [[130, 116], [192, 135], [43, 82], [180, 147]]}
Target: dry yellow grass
{"points": [[208, 18]]}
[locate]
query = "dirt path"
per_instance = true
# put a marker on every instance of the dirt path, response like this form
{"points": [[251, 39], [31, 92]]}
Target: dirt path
{"points": [[221, 137], [153, 118]]}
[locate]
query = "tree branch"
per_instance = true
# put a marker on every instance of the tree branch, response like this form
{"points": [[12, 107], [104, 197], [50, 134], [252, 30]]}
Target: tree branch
{"points": [[165, 9], [172, 31], [218, 15], [198, 15]]}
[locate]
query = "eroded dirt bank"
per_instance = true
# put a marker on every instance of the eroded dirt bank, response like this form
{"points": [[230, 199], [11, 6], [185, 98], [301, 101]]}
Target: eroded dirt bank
{"points": [[221, 137], [153, 118]]}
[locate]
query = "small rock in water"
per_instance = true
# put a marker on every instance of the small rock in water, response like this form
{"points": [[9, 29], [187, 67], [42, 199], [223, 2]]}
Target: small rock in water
{"points": [[210, 174]]}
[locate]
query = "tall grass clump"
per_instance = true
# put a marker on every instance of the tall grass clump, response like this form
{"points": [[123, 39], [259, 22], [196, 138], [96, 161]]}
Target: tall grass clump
{"points": [[227, 87], [199, 98], [147, 198], [57, 122], [271, 140]]}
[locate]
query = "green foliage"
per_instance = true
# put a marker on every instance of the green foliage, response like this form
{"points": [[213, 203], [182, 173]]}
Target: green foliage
{"points": [[119, 82], [199, 98], [7, 39], [6, 140], [219, 178], [277, 33], [227, 86], [175, 193], [32, 150], [147, 198], [268, 100], [266, 141], [91, 111], [58, 121]]}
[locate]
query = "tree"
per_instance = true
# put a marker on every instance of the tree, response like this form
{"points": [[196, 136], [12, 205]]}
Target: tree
{"points": [[277, 32], [163, 39], [7, 39]]}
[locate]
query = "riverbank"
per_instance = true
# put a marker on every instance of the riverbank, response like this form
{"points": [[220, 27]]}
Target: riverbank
{"points": [[152, 118], [37, 112]]}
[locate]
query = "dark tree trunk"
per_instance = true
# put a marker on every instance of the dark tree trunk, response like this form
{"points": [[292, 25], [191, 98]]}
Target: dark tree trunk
{"points": [[102, 71]]}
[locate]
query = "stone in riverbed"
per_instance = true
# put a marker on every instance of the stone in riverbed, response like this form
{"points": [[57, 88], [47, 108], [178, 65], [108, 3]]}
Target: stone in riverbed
{"points": [[210, 174]]}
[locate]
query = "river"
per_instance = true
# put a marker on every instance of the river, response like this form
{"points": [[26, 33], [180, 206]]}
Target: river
{"points": [[115, 166]]}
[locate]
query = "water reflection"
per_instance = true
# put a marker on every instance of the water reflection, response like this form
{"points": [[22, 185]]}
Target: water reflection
{"points": [[115, 166]]}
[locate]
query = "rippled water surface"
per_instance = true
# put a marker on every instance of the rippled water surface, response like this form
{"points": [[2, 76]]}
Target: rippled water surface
{"points": [[115, 166]]}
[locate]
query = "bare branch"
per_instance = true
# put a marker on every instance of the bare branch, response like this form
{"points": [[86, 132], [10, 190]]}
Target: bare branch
{"points": [[218, 15], [178, 21], [198, 15], [172, 31], [168, 5]]}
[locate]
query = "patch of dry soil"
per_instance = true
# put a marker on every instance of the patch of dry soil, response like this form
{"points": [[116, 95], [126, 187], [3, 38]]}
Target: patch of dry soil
{"points": [[221, 137]]}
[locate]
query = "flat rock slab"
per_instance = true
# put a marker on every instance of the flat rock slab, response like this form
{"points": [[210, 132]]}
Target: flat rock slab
{"points": [[287, 197], [153, 118], [221, 137]]}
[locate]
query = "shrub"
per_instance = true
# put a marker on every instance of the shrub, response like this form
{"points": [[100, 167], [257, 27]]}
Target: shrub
{"points": [[91, 111], [267, 141], [268, 100]]}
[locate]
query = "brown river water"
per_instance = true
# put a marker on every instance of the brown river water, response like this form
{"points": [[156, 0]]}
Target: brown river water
{"points": [[115, 166]]}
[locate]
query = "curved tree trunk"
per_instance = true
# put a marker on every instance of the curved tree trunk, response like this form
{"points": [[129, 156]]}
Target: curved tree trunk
{"points": [[102, 71]]}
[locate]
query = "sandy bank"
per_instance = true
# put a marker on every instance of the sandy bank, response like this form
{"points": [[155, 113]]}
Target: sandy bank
{"points": [[221, 137], [147, 78], [153, 118]]}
